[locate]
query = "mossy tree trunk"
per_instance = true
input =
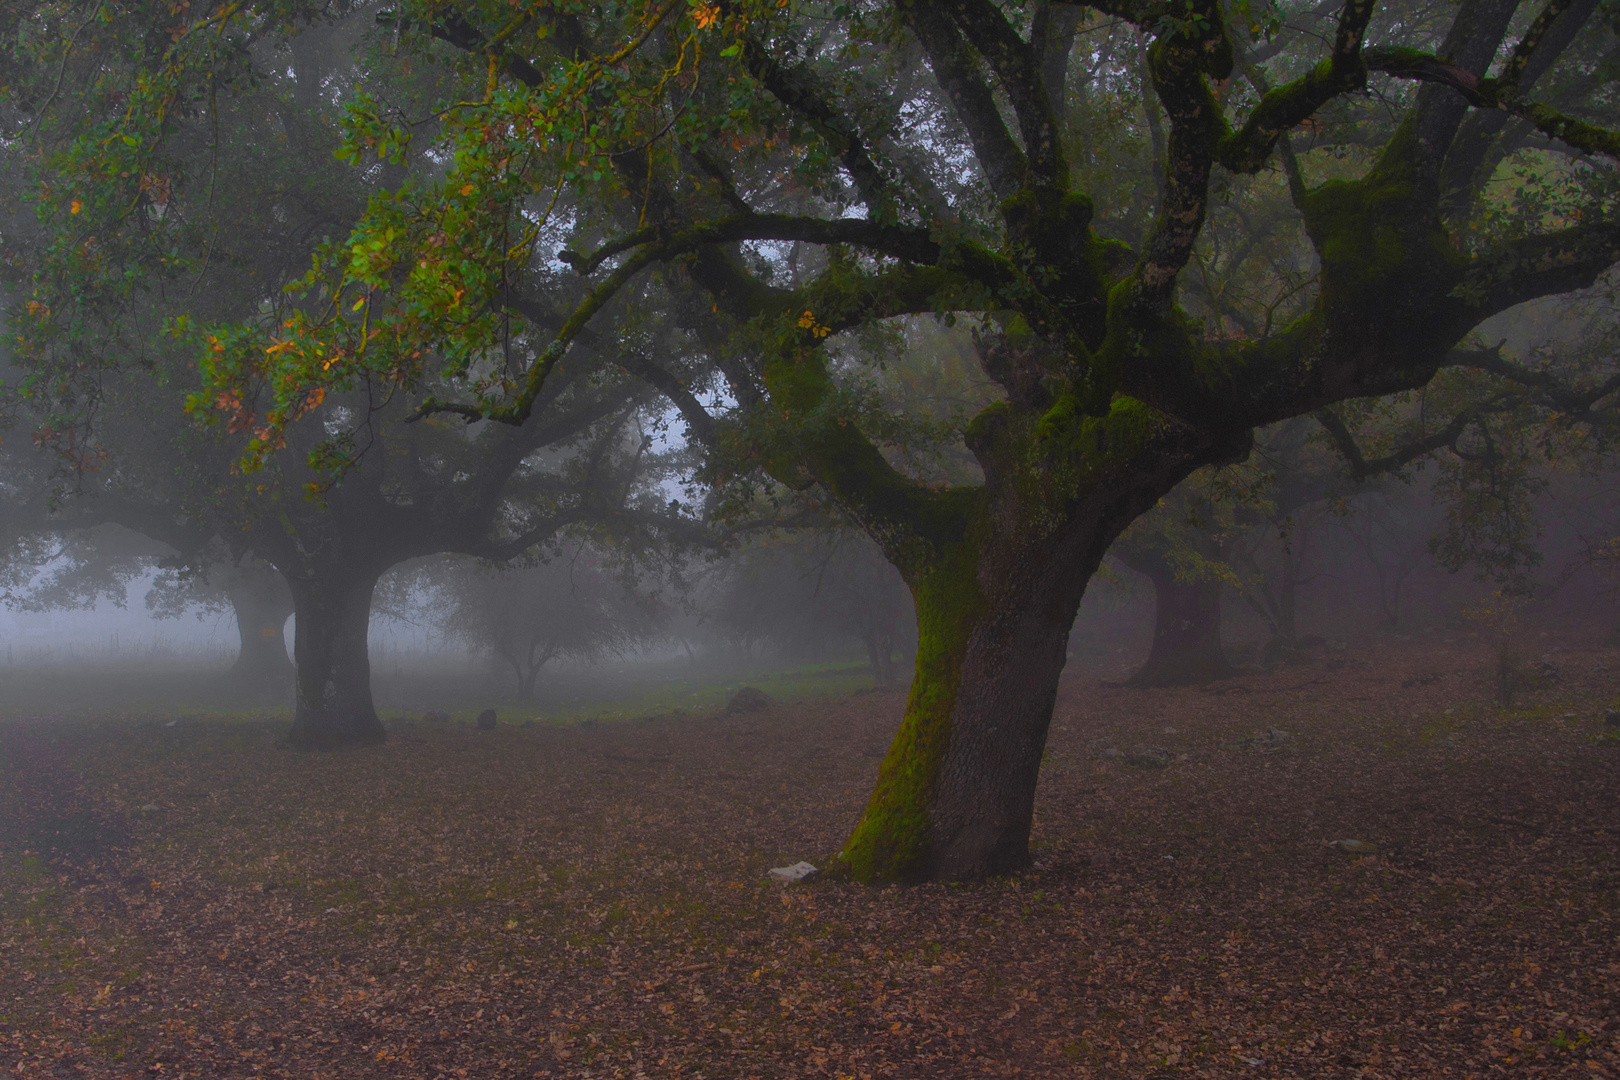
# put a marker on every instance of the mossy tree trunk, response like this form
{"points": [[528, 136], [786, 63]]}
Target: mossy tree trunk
{"points": [[996, 592], [333, 706]]}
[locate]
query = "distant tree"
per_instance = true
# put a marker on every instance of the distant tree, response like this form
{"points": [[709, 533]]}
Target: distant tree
{"points": [[1390, 527], [569, 606], [254, 592], [1178, 546], [806, 589], [196, 232], [65, 552]]}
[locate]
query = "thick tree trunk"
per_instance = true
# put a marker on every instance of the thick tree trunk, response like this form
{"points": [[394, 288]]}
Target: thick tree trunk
{"points": [[956, 793], [1186, 632], [334, 706], [995, 598], [262, 603]]}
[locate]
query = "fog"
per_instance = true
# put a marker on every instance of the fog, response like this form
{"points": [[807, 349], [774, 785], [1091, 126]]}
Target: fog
{"points": [[807, 613], [855, 541]]}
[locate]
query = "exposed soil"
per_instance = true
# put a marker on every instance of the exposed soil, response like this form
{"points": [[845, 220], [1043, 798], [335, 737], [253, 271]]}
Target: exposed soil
{"points": [[594, 902]]}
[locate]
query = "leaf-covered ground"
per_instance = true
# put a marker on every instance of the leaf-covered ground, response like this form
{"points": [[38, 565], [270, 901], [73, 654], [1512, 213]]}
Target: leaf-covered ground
{"points": [[191, 900]]}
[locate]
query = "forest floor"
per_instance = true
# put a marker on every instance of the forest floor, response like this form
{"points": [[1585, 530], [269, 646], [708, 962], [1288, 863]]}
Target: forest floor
{"points": [[191, 900]]}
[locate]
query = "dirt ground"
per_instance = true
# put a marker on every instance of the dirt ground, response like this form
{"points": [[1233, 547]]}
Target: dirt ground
{"points": [[191, 900]]}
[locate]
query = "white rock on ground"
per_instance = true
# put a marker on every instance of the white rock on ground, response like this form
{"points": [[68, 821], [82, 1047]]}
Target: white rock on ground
{"points": [[789, 874]]}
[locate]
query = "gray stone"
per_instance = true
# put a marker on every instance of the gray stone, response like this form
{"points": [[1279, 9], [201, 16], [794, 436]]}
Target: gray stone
{"points": [[486, 720], [1354, 847], [799, 871], [1149, 757]]}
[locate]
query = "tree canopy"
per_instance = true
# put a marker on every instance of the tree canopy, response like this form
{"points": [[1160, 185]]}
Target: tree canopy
{"points": [[1160, 225]]}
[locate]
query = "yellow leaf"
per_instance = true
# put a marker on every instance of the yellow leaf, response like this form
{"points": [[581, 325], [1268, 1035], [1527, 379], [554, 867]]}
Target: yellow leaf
{"points": [[358, 304]]}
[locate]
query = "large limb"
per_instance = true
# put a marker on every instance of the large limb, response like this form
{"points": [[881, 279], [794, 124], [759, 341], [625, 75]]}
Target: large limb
{"points": [[1487, 93], [1018, 70], [1471, 43], [1548, 265], [959, 74], [1178, 63], [1464, 173], [1052, 37], [1281, 108], [907, 242]]}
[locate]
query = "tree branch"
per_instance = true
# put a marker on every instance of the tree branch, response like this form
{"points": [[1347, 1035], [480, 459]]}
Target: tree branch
{"points": [[1546, 265], [959, 75], [801, 90], [1018, 69], [697, 418], [1178, 64], [1485, 93], [1279, 109], [908, 242], [1361, 468]]}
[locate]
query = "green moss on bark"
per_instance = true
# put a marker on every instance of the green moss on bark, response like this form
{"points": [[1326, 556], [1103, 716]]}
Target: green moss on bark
{"points": [[892, 841]]}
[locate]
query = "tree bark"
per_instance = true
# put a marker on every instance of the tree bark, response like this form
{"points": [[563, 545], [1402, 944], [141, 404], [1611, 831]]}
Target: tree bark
{"points": [[1186, 633], [262, 603], [955, 794], [334, 706]]}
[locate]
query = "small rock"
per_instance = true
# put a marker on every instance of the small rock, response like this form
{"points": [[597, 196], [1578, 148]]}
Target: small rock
{"points": [[677, 712], [799, 871], [434, 716], [1355, 847], [749, 699], [1149, 757], [588, 722], [1268, 741], [527, 724], [1611, 719], [486, 720], [149, 807], [1111, 753]]}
